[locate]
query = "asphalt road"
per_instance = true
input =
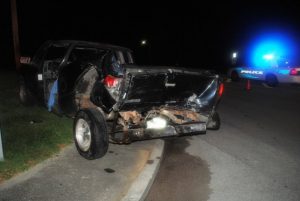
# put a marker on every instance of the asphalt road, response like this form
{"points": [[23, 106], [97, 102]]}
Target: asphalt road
{"points": [[254, 156]]}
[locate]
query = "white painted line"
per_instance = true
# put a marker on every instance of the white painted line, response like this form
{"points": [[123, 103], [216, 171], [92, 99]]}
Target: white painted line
{"points": [[140, 187], [266, 86]]}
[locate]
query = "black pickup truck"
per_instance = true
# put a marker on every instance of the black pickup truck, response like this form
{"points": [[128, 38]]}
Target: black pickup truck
{"points": [[113, 100]]}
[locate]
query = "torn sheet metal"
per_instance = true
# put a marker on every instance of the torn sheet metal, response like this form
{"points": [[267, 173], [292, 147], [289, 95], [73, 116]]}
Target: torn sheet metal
{"points": [[83, 101], [180, 116], [131, 117]]}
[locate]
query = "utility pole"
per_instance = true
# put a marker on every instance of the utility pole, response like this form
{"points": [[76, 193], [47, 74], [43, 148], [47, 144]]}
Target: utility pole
{"points": [[1, 147], [15, 32]]}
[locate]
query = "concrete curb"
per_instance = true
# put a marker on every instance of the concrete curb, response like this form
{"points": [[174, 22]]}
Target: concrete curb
{"points": [[140, 187]]}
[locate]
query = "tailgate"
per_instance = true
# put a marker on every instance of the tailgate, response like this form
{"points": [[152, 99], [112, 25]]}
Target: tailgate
{"points": [[160, 85]]}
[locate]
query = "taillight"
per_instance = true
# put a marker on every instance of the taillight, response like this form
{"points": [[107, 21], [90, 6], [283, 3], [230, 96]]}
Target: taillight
{"points": [[112, 84], [221, 89], [110, 81], [293, 71]]}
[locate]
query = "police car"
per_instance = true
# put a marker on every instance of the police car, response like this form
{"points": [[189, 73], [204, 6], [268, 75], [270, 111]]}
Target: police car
{"points": [[271, 76], [271, 57]]}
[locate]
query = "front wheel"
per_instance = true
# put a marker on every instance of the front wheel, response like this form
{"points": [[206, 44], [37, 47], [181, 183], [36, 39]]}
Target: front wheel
{"points": [[90, 134], [271, 80], [215, 122]]}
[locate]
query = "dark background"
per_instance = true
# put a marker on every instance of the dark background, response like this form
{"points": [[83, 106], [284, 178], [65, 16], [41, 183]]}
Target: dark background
{"points": [[201, 35]]}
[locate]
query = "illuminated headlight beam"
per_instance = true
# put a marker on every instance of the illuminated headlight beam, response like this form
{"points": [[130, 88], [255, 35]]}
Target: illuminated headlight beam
{"points": [[156, 123]]}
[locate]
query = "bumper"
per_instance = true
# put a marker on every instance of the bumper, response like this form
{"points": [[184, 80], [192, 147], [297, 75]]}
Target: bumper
{"points": [[170, 130], [293, 79]]}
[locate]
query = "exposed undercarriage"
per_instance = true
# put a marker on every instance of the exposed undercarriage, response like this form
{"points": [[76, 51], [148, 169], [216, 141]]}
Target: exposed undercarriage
{"points": [[158, 122]]}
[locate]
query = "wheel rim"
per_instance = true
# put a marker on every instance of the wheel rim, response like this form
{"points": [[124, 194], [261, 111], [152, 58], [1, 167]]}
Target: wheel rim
{"points": [[83, 134]]}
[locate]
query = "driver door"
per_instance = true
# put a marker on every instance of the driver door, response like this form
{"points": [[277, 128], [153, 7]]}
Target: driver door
{"points": [[51, 65]]}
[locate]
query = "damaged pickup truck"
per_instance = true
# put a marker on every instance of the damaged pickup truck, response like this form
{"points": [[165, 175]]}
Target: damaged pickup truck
{"points": [[113, 100]]}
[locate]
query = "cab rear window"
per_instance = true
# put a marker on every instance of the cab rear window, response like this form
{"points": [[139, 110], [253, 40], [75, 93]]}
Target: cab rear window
{"points": [[113, 65], [87, 55]]}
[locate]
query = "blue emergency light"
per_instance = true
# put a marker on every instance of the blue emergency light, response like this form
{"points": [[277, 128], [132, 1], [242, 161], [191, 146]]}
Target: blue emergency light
{"points": [[271, 50]]}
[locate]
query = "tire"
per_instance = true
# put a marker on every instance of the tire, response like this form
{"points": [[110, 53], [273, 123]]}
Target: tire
{"points": [[215, 122], [90, 134], [271, 80], [25, 96], [235, 76]]}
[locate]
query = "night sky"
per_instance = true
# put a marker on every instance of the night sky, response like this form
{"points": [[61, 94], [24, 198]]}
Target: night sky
{"points": [[199, 36]]}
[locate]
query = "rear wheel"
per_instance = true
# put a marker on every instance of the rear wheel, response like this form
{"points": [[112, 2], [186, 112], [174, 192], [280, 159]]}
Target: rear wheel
{"points": [[271, 80], [25, 96], [214, 123], [90, 134]]}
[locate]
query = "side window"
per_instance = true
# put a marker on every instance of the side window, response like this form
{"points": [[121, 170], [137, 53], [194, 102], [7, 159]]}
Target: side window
{"points": [[112, 65], [39, 55], [120, 57], [56, 53], [124, 57], [129, 58]]}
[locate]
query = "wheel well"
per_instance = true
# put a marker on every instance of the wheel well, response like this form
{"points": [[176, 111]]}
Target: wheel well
{"points": [[271, 79], [270, 74], [77, 95]]}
